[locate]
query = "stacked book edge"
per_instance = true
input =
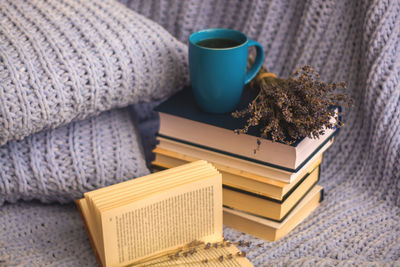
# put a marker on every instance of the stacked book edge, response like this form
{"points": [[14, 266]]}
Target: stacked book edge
{"points": [[266, 193]]}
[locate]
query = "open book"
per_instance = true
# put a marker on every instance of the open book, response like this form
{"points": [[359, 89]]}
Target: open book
{"points": [[170, 218]]}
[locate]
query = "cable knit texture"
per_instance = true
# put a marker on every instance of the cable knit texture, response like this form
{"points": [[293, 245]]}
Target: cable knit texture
{"points": [[66, 60], [358, 222], [61, 164]]}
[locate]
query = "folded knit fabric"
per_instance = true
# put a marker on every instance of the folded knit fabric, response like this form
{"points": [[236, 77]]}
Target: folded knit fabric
{"points": [[65, 60], [61, 164]]}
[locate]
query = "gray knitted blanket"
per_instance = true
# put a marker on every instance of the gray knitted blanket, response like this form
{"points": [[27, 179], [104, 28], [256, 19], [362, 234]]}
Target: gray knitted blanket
{"points": [[62, 61], [62, 164], [358, 222]]}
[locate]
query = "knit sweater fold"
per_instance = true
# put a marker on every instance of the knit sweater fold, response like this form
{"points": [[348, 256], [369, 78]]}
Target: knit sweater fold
{"points": [[62, 61], [60, 165]]}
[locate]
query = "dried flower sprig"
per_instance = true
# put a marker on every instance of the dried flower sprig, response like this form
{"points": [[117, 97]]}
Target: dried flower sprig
{"points": [[289, 109], [191, 249]]}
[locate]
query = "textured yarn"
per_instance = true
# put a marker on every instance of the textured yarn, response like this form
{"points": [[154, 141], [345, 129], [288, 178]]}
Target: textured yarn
{"points": [[61, 164], [358, 222], [66, 60]]}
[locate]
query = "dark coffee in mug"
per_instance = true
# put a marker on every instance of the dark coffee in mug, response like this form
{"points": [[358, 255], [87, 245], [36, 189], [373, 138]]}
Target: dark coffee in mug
{"points": [[218, 43]]}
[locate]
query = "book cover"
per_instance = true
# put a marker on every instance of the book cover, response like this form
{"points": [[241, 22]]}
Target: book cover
{"points": [[269, 208], [271, 230], [183, 104]]}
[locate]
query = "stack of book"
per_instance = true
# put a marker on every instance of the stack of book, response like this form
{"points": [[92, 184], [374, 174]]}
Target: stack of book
{"points": [[267, 192]]}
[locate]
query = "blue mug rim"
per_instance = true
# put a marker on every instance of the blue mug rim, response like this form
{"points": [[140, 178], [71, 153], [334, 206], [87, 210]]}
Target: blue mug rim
{"points": [[193, 35]]}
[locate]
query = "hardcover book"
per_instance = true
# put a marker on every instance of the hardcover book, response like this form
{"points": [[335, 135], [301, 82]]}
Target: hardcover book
{"points": [[182, 121], [232, 162], [162, 219], [266, 207], [268, 229]]}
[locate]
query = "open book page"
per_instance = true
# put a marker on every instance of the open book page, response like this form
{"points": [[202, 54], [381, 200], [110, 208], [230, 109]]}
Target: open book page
{"points": [[102, 192], [94, 235], [126, 190], [116, 190], [144, 191], [139, 192], [163, 221]]}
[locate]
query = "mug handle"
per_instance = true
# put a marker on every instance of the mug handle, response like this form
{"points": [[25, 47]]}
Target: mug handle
{"points": [[257, 63]]}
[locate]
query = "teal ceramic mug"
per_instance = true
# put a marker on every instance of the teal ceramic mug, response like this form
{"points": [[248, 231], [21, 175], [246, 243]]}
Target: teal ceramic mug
{"points": [[217, 62]]}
